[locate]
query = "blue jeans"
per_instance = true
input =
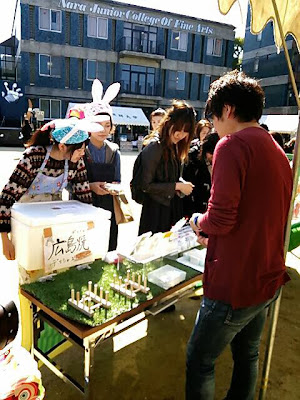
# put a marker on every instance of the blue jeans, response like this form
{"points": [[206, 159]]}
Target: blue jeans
{"points": [[217, 325]]}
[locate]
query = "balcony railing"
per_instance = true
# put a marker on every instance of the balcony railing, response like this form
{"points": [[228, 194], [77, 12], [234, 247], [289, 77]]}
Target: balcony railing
{"points": [[143, 46], [146, 90]]}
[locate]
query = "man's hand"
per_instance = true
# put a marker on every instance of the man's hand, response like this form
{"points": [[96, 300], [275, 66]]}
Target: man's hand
{"points": [[202, 240], [7, 247], [97, 187], [196, 228]]}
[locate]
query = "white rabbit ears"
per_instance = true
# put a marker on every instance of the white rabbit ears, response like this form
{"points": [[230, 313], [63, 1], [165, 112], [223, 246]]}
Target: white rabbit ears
{"points": [[111, 92]]}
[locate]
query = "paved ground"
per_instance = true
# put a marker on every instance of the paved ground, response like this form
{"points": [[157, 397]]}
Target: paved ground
{"points": [[153, 368]]}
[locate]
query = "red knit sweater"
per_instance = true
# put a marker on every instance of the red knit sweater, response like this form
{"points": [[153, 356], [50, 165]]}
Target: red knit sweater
{"points": [[246, 218]]}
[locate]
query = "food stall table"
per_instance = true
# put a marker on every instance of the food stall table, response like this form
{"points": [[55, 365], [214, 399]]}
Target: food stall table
{"points": [[49, 305]]}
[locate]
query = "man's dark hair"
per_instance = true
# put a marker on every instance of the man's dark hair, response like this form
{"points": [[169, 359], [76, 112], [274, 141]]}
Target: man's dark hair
{"points": [[237, 90]]}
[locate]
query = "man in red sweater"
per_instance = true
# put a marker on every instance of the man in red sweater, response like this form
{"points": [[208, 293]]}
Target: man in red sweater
{"points": [[245, 224]]}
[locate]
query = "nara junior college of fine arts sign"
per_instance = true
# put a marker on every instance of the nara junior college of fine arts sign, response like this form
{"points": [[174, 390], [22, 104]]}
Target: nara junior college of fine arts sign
{"points": [[135, 16]]}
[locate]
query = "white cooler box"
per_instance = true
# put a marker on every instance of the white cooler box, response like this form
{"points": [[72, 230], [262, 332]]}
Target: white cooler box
{"points": [[58, 234]]}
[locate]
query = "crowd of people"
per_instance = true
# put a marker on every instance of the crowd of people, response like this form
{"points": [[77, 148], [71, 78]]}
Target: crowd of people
{"points": [[226, 173]]}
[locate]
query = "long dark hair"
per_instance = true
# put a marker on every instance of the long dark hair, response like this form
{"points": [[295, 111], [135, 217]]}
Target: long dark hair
{"points": [[178, 117], [44, 138], [203, 123]]}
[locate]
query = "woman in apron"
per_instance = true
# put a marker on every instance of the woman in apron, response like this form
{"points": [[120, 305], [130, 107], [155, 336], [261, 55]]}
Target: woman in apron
{"points": [[103, 165], [50, 162]]}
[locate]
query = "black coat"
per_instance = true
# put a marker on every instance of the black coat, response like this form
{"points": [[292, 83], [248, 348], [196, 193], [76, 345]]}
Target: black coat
{"points": [[162, 208], [196, 171]]}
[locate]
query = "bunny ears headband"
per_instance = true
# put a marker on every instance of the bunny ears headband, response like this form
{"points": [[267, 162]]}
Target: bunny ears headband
{"points": [[100, 105], [85, 118]]}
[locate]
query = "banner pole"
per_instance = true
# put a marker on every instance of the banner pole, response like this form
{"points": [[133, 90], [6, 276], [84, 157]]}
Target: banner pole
{"points": [[275, 307]]}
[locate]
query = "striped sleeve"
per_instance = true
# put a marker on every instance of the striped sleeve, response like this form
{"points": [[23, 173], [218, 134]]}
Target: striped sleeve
{"points": [[18, 184], [80, 184]]}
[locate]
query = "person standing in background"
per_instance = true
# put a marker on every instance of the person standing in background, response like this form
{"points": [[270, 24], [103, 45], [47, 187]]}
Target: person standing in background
{"points": [[161, 162], [203, 128], [198, 171], [103, 163], [102, 157], [155, 119]]}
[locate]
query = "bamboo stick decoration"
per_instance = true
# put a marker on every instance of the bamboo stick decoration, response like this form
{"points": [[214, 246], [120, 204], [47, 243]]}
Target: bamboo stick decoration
{"points": [[95, 289], [78, 297], [72, 294]]}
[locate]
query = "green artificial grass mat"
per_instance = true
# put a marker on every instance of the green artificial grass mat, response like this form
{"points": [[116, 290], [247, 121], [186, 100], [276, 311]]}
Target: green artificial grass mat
{"points": [[55, 294]]}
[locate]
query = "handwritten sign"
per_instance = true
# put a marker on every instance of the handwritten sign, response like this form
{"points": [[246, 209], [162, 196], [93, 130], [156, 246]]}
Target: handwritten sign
{"points": [[66, 248]]}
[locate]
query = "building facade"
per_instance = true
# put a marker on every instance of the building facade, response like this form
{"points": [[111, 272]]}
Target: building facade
{"points": [[155, 55], [260, 60]]}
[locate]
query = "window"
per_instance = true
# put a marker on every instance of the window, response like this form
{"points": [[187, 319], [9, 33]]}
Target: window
{"points": [[32, 68], [139, 38], [81, 30], [31, 22], [51, 108], [138, 80], [50, 20], [214, 47], [68, 27], [179, 41], [97, 27], [256, 64], [176, 80], [80, 74], [49, 66], [206, 83], [95, 69], [67, 74]]}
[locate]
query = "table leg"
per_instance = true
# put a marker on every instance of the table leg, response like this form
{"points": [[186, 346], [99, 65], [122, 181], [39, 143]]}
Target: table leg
{"points": [[34, 327], [89, 348]]}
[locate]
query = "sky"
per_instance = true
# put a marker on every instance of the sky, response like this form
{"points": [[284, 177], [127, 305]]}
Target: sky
{"points": [[205, 9]]}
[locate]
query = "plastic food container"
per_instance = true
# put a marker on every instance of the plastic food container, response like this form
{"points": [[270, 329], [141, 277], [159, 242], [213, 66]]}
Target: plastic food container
{"points": [[196, 256], [166, 276], [60, 220]]}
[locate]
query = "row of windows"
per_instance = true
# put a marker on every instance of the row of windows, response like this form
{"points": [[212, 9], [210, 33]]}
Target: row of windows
{"points": [[135, 79], [137, 37]]}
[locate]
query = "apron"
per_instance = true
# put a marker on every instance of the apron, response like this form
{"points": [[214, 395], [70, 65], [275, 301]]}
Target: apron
{"points": [[46, 188], [103, 172], [43, 188]]}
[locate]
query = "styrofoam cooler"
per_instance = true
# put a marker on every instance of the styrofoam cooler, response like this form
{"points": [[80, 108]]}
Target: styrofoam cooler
{"points": [[30, 219]]}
